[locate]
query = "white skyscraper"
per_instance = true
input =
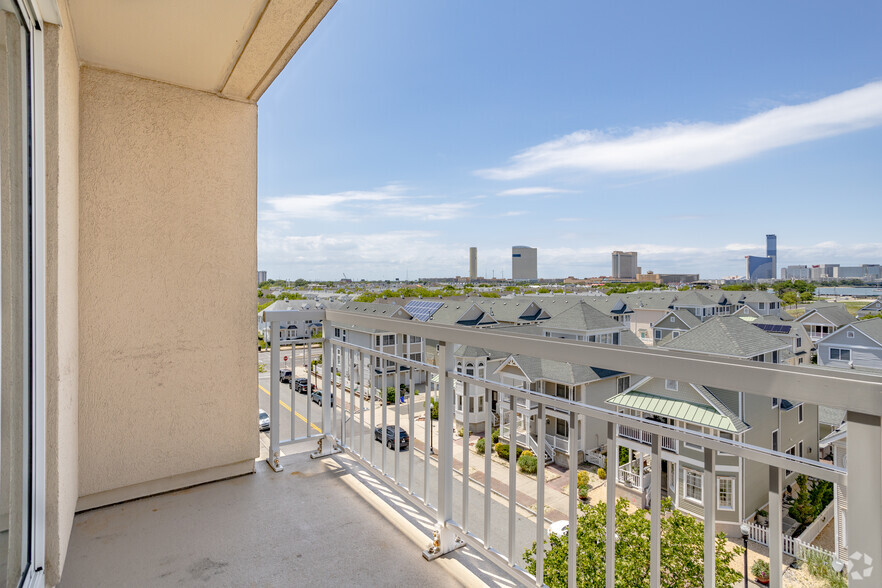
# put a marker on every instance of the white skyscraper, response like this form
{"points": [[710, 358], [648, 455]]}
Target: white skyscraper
{"points": [[523, 263], [473, 263], [624, 265]]}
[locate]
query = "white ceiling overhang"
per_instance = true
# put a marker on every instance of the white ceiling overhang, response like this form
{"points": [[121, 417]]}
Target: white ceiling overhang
{"points": [[233, 48]]}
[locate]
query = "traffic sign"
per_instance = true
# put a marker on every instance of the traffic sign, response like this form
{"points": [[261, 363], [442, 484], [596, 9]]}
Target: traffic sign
{"points": [[286, 358]]}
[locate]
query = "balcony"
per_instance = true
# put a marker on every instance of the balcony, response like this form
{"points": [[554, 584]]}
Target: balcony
{"points": [[492, 523], [327, 488]]}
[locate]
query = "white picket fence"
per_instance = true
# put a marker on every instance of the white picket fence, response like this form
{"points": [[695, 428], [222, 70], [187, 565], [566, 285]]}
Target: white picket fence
{"points": [[792, 546]]}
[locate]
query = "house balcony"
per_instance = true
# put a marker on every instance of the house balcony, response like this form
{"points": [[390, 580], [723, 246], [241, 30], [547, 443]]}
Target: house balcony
{"points": [[489, 519]]}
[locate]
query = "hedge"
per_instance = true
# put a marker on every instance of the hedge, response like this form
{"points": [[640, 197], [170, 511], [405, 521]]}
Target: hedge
{"points": [[503, 451], [528, 463]]}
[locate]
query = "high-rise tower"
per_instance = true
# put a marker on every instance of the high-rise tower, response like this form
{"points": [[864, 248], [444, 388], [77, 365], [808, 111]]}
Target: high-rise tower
{"points": [[772, 251], [473, 263]]}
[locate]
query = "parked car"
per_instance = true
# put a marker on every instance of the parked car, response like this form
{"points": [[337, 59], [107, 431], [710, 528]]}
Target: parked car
{"points": [[263, 421], [317, 397], [301, 385], [403, 438], [285, 376], [558, 528]]}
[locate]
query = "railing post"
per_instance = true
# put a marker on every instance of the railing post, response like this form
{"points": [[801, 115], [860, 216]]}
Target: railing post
{"points": [[709, 496], [864, 515], [776, 529], [274, 453], [326, 444], [655, 514], [445, 539], [612, 459]]}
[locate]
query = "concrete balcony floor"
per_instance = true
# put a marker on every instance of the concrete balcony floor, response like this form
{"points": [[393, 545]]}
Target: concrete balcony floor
{"points": [[325, 522]]}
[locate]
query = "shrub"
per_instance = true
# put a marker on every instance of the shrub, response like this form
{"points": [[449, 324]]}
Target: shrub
{"points": [[479, 446], [390, 395], [583, 480], [528, 463], [434, 410], [501, 450], [527, 452], [494, 436], [760, 569], [601, 473], [459, 431]]}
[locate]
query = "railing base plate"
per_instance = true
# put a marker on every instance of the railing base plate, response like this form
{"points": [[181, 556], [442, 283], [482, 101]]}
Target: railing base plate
{"points": [[273, 462], [436, 549], [324, 451]]}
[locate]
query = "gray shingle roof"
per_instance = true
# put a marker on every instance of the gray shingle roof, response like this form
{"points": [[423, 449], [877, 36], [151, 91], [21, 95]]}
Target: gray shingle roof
{"points": [[472, 351], [450, 313], [730, 336], [871, 328], [559, 371], [582, 317], [649, 300], [835, 313]]}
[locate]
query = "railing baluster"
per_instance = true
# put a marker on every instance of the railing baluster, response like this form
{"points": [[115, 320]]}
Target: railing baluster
{"points": [[612, 460], [427, 442], [327, 413], [384, 434], [710, 511], [488, 449], [362, 387], [348, 374], [369, 377], [540, 496], [309, 388], [274, 453], [445, 444], [572, 547], [776, 539], [411, 420], [466, 416], [293, 412], [512, 477], [655, 514], [396, 440]]}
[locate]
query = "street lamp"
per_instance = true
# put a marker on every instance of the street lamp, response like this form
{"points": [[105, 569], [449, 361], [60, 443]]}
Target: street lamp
{"points": [[745, 531]]}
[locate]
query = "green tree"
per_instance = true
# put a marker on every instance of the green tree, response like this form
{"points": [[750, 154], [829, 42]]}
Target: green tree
{"points": [[682, 550], [300, 283], [789, 298], [806, 296]]}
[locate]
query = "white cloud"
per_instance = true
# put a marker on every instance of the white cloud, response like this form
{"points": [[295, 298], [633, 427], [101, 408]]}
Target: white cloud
{"points": [[532, 191], [678, 147], [391, 200]]}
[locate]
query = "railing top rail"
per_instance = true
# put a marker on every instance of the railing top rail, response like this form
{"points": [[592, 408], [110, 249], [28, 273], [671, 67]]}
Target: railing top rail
{"points": [[851, 390]]}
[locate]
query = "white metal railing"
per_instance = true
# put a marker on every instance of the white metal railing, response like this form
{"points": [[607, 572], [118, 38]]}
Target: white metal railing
{"points": [[561, 444], [645, 437], [428, 482]]}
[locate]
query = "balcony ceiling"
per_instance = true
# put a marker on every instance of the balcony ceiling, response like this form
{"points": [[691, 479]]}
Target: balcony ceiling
{"points": [[234, 48]]}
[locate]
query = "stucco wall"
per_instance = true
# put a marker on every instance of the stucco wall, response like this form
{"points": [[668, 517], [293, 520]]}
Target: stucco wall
{"points": [[167, 259], [62, 74]]}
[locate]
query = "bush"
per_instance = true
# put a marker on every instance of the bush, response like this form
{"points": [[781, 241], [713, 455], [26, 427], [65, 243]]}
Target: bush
{"points": [[501, 450], [434, 410], [459, 431], [583, 480], [390, 395], [760, 569], [528, 463], [494, 436], [479, 446], [601, 473]]}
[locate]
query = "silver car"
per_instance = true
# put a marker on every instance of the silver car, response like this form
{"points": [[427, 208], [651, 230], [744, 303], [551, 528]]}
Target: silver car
{"points": [[263, 420]]}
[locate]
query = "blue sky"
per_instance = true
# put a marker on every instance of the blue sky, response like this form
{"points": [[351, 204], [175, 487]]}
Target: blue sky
{"points": [[404, 132]]}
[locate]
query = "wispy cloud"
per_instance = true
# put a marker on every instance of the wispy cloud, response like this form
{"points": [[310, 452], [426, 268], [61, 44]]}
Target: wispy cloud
{"points": [[392, 200], [532, 191], [679, 147]]}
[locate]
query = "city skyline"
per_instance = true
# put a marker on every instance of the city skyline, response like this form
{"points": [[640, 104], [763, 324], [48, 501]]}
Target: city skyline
{"points": [[487, 141]]}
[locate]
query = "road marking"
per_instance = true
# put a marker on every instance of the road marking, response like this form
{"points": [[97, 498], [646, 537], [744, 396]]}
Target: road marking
{"points": [[300, 416]]}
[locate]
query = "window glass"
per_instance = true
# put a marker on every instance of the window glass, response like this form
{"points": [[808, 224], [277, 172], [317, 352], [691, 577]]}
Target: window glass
{"points": [[726, 496], [692, 488]]}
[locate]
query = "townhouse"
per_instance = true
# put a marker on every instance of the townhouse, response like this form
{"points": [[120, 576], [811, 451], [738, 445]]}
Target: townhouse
{"points": [[858, 345], [822, 318]]}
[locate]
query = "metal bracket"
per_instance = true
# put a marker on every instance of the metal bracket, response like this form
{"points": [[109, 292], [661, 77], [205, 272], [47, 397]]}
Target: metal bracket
{"points": [[273, 461], [444, 541], [326, 447]]}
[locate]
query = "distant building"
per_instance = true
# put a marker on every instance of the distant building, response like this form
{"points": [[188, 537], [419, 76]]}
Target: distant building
{"points": [[759, 268], [261, 277], [473, 263], [823, 271], [624, 265], [523, 263], [772, 252], [796, 272], [665, 279]]}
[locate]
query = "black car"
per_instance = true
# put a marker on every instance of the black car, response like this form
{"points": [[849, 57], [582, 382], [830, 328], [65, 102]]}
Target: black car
{"points": [[285, 376], [317, 397], [301, 385], [403, 438]]}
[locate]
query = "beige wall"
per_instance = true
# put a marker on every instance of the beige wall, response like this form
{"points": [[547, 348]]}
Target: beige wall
{"points": [[167, 258], [62, 75]]}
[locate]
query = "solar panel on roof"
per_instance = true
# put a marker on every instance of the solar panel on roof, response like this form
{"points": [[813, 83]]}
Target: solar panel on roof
{"points": [[775, 328], [422, 310]]}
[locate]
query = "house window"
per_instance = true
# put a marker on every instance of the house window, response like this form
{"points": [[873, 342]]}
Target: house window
{"points": [[799, 413], [692, 490], [388, 339], [416, 356], [762, 305], [774, 402], [799, 342], [623, 384], [459, 367], [775, 440], [726, 493], [671, 385], [658, 334], [337, 333], [563, 428], [378, 340], [849, 334], [470, 369], [672, 319], [774, 357], [562, 391], [676, 334], [799, 448], [697, 429], [840, 354]]}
